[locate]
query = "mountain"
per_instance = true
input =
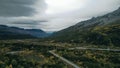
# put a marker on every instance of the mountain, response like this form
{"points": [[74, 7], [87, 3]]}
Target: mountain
{"points": [[20, 33], [97, 30], [37, 33], [98, 21]]}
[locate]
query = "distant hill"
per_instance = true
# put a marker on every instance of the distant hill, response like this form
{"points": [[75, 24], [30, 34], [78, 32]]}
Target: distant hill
{"points": [[20, 33], [37, 33], [103, 30]]}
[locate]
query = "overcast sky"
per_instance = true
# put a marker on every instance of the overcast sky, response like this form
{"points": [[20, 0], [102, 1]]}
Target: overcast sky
{"points": [[52, 15]]}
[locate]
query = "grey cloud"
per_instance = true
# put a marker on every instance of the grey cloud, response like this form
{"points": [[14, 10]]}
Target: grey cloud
{"points": [[16, 7], [23, 10], [28, 22]]}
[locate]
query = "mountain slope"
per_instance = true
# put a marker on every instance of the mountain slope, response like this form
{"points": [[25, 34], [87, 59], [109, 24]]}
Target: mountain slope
{"points": [[98, 21], [19, 33], [37, 33], [80, 32]]}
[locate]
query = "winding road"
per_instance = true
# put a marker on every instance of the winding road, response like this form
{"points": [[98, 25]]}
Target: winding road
{"points": [[100, 49], [80, 48], [14, 52], [64, 59], [67, 61]]}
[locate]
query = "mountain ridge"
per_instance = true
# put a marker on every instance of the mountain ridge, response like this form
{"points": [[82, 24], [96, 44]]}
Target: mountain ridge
{"points": [[100, 20], [85, 30], [14, 31]]}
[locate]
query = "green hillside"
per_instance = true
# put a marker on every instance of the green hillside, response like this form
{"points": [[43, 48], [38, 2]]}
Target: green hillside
{"points": [[10, 35], [98, 35], [103, 35]]}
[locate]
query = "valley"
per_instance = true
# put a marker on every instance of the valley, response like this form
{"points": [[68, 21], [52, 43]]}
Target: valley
{"points": [[94, 43], [36, 53]]}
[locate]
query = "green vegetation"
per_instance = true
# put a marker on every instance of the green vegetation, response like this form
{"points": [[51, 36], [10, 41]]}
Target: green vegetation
{"points": [[104, 35], [107, 35], [91, 58], [28, 54], [33, 53]]}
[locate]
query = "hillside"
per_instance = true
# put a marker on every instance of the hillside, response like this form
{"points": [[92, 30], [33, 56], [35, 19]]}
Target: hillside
{"points": [[95, 21], [37, 33], [102, 30], [19, 33]]}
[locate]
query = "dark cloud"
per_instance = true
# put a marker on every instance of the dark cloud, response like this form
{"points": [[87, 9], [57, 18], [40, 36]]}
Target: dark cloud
{"points": [[28, 22], [16, 8]]}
